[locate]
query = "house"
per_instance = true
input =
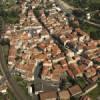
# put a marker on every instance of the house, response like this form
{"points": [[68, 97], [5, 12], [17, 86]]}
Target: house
{"points": [[58, 58], [45, 35], [47, 63], [56, 74], [82, 36], [92, 54], [97, 60], [90, 47], [64, 39], [90, 72], [85, 98], [64, 95], [75, 90], [12, 56], [70, 53], [70, 73], [55, 50], [76, 70], [48, 95], [46, 74], [79, 48], [41, 57], [86, 62], [94, 78], [64, 64], [52, 11], [42, 46], [70, 60]]}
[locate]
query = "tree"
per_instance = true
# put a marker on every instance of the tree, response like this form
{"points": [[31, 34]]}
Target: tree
{"points": [[1, 24], [95, 35]]}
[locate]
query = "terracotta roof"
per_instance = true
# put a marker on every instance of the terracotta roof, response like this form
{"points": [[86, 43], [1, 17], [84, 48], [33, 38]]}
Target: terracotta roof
{"points": [[75, 69], [48, 95], [56, 75], [47, 63], [70, 73], [64, 95], [42, 45], [12, 51], [90, 72], [74, 90], [97, 59], [85, 98], [94, 78]]}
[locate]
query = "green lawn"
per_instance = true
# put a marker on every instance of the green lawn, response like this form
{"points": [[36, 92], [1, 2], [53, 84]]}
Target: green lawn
{"points": [[9, 12], [95, 1], [6, 51], [95, 93], [94, 32], [91, 4], [22, 83], [10, 95], [81, 82], [1, 97]]}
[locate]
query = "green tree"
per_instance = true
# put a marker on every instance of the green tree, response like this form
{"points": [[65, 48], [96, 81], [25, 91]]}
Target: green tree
{"points": [[1, 24]]}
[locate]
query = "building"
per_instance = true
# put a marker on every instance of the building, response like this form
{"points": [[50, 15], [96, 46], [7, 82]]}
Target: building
{"points": [[44, 85], [48, 95], [75, 90], [64, 95], [85, 98]]}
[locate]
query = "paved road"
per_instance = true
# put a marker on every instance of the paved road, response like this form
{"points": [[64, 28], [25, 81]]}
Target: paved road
{"points": [[64, 6], [92, 23], [11, 82], [3, 79]]}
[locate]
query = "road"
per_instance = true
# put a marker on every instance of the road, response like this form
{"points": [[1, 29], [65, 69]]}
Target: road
{"points": [[92, 23], [64, 6], [3, 79], [18, 93]]}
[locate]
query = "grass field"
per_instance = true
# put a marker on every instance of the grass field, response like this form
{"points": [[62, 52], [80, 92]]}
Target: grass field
{"points": [[94, 32], [84, 3], [95, 93]]}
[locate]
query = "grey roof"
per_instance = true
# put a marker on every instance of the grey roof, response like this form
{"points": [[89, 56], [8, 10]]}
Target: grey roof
{"points": [[41, 85]]}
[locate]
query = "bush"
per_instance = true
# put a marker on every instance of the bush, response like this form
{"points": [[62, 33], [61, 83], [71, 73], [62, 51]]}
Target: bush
{"points": [[95, 35]]}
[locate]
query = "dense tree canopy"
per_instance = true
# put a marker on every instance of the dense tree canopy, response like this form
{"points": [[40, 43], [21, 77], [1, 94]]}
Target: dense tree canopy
{"points": [[1, 24], [91, 4], [9, 14]]}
